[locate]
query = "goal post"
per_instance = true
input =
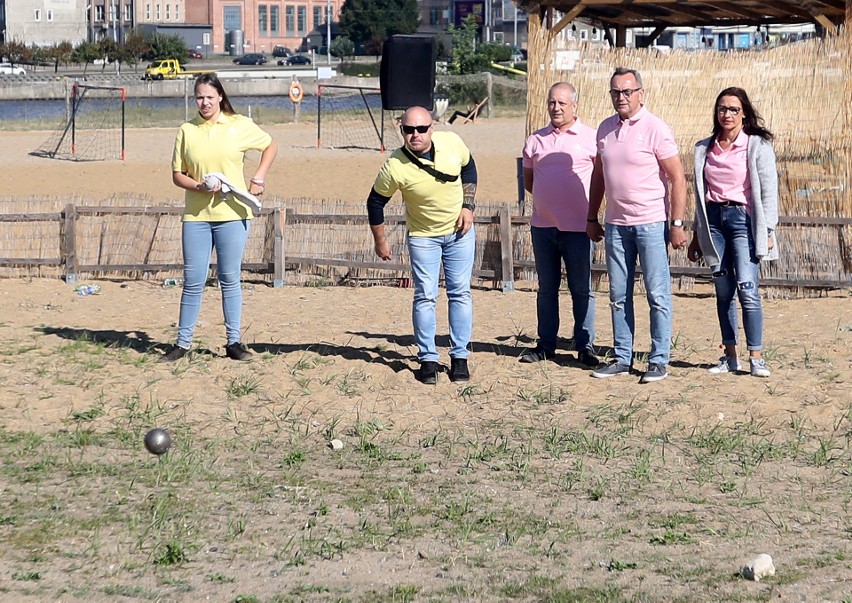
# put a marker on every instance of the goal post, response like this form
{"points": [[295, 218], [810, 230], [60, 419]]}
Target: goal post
{"points": [[351, 117], [94, 127]]}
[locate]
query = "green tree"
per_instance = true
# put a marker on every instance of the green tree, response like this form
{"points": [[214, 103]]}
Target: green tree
{"points": [[86, 53], [466, 59], [367, 20], [16, 51], [342, 47], [60, 53], [135, 46], [166, 47]]}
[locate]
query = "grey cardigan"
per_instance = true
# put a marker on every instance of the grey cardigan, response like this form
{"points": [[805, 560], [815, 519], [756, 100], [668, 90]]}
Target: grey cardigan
{"points": [[763, 175]]}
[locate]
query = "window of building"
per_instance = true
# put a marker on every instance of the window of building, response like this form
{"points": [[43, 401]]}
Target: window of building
{"points": [[262, 19], [434, 15], [50, 15], [37, 14], [147, 12], [168, 12], [112, 15], [159, 13], [584, 34], [302, 15], [318, 20], [232, 18], [99, 12], [596, 34], [128, 13], [177, 12], [274, 20], [289, 20]]}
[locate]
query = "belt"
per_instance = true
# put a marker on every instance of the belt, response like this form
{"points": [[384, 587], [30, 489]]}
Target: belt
{"points": [[727, 203]]}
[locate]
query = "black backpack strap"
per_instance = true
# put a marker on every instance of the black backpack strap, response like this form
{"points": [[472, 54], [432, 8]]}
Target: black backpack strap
{"points": [[428, 168]]}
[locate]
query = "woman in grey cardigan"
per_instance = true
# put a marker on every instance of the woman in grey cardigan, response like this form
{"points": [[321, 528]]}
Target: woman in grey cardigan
{"points": [[736, 210]]}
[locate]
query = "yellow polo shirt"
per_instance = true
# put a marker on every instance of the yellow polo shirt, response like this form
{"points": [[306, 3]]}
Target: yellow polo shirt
{"points": [[432, 207], [202, 148]]}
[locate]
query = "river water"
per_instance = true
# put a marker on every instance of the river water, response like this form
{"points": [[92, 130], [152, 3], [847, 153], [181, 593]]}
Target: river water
{"points": [[55, 110]]}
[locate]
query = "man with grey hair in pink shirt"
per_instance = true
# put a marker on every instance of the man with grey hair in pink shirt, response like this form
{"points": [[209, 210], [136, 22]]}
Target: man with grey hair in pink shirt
{"points": [[558, 163], [640, 170]]}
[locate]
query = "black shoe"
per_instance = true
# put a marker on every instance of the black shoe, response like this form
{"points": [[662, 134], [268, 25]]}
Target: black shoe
{"points": [[174, 354], [587, 358], [535, 354], [237, 351], [428, 373], [458, 369]]}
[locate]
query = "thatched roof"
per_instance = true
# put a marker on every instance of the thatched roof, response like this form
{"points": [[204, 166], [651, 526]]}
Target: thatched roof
{"points": [[689, 13]]}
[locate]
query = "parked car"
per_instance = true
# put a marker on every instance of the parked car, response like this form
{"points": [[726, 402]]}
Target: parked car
{"points": [[281, 51], [194, 54], [9, 69], [250, 59], [298, 59]]}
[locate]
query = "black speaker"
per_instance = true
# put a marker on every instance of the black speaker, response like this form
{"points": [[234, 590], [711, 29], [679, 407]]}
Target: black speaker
{"points": [[407, 76]]}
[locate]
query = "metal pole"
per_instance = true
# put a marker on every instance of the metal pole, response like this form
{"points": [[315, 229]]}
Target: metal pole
{"points": [[515, 37], [328, 35]]}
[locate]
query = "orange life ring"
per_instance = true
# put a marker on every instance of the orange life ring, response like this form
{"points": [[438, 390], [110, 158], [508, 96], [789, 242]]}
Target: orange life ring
{"points": [[296, 92]]}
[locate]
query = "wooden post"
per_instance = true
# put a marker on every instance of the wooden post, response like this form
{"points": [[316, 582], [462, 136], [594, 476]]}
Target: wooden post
{"points": [[489, 87], [68, 243], [279, 219], [507, 264]]}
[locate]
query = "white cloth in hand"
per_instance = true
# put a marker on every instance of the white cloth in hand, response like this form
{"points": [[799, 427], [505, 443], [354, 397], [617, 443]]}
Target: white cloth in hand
{"points": [[228, 190]]}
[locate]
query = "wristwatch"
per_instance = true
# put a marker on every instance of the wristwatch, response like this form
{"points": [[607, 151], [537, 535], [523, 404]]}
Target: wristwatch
{"points": [[678, 223]]}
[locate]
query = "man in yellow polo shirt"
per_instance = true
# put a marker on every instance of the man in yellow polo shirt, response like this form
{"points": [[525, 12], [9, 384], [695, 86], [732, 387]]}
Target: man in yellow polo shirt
{"points": [[436, 175]]}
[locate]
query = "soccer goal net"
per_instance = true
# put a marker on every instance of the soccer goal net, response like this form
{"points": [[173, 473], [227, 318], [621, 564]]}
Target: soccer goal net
{"points": [[351, 117], [93, 129]]}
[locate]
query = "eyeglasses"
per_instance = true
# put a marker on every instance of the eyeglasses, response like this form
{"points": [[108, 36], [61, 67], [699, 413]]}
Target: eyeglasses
{"points": [[627, 92], [419, 129], [721, 110]]}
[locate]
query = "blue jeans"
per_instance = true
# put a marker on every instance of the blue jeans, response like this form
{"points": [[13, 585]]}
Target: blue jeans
{"points": [[738, 273], [427, 254], [553, 247], [623, 245], [199, 239]]}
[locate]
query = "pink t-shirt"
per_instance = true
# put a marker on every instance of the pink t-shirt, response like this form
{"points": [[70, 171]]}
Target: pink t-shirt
{"points": [[562, 164], [636, 184], [726, 172]]}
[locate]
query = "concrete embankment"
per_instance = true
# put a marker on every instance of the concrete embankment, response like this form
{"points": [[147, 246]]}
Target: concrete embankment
{"points": [[258, 83]]}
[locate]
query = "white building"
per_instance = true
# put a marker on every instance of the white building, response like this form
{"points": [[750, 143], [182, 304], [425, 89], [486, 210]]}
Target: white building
{"points": [[43, 22]]}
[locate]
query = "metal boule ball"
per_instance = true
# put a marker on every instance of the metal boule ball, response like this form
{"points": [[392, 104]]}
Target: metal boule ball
{"points": [[158, 441]]}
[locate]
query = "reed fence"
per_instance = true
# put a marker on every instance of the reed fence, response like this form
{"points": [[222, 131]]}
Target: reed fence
{"points": [[304, 241]]}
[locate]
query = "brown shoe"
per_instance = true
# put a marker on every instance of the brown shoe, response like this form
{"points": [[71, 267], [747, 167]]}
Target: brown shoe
{"points": [[237, 351]]}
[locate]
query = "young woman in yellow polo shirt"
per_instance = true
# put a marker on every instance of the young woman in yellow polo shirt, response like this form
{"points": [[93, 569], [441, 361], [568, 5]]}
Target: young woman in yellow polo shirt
{"points": [[215, 142]]}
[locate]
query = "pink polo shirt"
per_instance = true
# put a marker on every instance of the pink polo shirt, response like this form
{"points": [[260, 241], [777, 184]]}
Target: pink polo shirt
{"points": [[726, 172], [637, 188], [562, 164]]}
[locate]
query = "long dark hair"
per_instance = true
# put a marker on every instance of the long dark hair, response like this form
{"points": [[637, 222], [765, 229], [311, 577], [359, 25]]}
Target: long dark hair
{"points": [[752, 121], [211, 79]]}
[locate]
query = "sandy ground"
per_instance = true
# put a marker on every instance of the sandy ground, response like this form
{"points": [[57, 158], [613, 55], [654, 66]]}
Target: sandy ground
{"points": [[347, 354], [301, 170]]}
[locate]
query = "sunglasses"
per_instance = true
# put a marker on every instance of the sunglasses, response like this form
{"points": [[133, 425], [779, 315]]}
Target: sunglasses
{"points": [[627, 92], [721, 110], [419, 129]]}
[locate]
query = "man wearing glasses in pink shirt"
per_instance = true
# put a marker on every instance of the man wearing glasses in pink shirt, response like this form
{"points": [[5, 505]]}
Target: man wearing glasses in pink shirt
{"points": [[558, 163], [640, 170]]}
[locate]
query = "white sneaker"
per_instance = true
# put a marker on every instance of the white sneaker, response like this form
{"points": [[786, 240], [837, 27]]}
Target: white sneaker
{"points": [[727, 364], [758, 367]]}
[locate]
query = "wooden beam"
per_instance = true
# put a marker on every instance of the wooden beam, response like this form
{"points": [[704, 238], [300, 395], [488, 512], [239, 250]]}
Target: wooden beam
{"points": [[829, 26], [566, 19], [654, 35]]}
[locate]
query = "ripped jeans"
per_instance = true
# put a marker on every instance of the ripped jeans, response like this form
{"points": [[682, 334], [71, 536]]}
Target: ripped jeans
{"points": [[737, 274]]}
